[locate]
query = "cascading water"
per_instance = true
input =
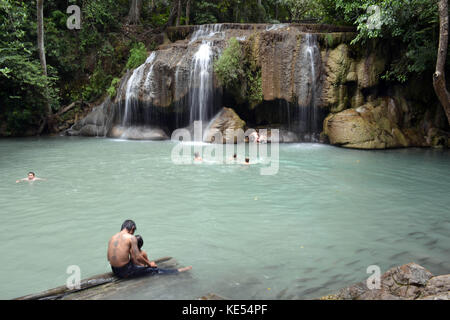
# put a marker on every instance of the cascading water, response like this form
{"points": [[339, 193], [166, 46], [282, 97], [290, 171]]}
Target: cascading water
{"points": [[207, 31], [309, 114], [198, 98], [134, 89], [277, 26], [176, 85], [201, 83]]}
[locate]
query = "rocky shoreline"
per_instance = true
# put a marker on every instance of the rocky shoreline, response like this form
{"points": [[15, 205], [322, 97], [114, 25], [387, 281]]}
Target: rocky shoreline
{"points": [[407, 282]]}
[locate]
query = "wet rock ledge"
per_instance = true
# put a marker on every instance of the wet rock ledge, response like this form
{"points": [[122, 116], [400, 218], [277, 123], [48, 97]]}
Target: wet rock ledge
{"points": [[407, 282]]}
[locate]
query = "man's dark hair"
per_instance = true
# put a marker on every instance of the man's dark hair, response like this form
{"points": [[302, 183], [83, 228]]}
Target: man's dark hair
{"points": [[31, 172], [140, 241], [247, 160], [129, 225]]}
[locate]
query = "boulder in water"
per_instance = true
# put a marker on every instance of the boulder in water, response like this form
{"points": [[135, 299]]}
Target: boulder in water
{"points": [[225, 122], [371, 126], [92, 130]]}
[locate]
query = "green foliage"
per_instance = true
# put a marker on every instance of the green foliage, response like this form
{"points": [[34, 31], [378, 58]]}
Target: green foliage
{"points": [[254, 80], [239, 73], [205, 12], [25, 89], [159, 19], [229, 66], [138, 55], [112, 88], [99, 17], [411, 23], [98, 83], [300, 9]]}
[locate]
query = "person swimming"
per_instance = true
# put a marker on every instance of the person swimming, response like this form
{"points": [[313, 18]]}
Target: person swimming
{"points": [[197, 157], [233, 158], [31, 177]]}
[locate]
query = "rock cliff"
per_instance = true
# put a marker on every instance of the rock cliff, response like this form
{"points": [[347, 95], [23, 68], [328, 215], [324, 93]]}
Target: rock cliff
{"points": [[311, 78]]}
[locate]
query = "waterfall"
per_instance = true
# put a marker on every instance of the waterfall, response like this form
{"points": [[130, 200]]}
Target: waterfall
{"points": [[207, 31], [201, 83], [193, 87], [134, 89], [276, 26], [308, 78], [200, 79]]}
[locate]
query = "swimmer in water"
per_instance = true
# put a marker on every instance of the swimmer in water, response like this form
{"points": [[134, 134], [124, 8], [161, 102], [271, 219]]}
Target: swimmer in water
{"points": [[247, 161], [233, 158], [197, 157], [31, 177]]}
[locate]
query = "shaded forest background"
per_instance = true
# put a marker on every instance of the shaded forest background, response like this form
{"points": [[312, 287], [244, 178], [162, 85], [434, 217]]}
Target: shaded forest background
{"points": [[83, 65]]}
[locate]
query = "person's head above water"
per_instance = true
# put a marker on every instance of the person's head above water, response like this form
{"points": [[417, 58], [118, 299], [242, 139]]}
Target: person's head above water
{"points": [[247, 160], [129, 225], [140, 241], [31, 175]]}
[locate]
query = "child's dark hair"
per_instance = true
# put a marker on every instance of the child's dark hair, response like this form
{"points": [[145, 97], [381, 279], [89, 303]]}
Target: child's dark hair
{"points": [[140, 241]]}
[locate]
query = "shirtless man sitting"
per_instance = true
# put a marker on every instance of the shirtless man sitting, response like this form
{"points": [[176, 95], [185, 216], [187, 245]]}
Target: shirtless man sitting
{"points": [[127, 260]]}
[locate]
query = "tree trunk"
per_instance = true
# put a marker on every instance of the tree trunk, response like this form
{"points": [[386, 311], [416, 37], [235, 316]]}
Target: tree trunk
{"points": [[439, 76], [259, 11], [276, 10], [41, 49], [173, 13], [178, 13], [188, 11], [134, 15], [40, 33]]}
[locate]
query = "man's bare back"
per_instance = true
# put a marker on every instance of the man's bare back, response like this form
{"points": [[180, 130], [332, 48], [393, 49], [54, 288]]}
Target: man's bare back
{"points": [[127, 260], [119, 247], [123, 248]]}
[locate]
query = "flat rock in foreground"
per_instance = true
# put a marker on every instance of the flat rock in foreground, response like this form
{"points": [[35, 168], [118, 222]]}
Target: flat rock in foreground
{"points": [[407, 282]]}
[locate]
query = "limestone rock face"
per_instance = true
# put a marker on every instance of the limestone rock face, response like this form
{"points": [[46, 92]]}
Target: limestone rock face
{"points": [[92, 130], [225, 122], [347, 75], [371, 126], [307, 71], [95, 124], [407, 282]]}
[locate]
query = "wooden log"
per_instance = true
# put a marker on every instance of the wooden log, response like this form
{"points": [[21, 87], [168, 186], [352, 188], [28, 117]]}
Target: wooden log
{"points": [[88, 283], [212, 296]]}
